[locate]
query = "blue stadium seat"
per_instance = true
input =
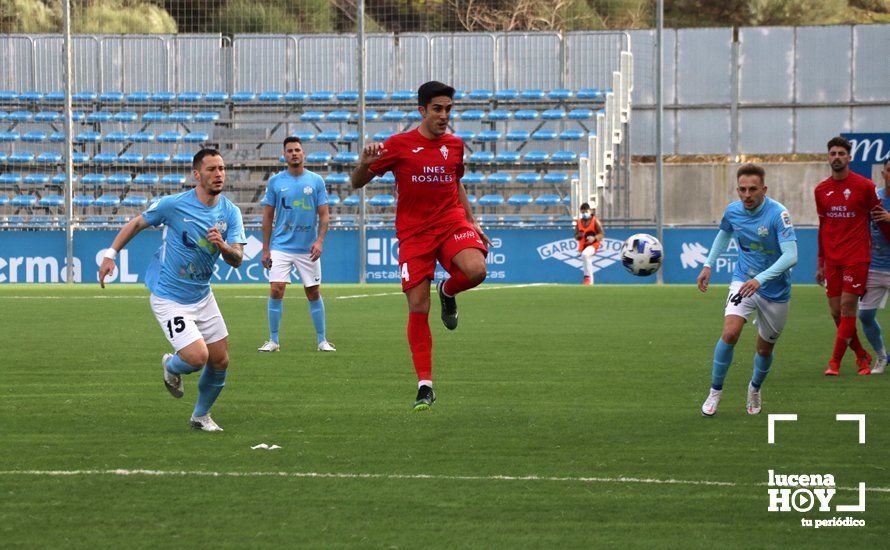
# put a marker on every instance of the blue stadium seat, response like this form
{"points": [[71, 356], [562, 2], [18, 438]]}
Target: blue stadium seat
{"points": [[333, 200], [564, 156], [147, 179], [536, 156], [196, 137], [382, 200], [499, 178], [517, 135], [107, 201], [116, 137], [481, 95], [528, 178], [154, 116], [572, 134], [532, 94], [57, 137], [243, 97], [61, 179], [125, 116], [328, 137], [337, 178], [20, 116], [130, 158], [507, 157], [589, 93], [383, 135], [553, 114], [21, 157], [490, 200], [500, 114], [414, 116], [30, 96], [489, 135], [472, 114], [506, 95], [180, 116], [312, 116], [555, 177], [351, 200], [3, 156], [296, 96], [4, 200], [558, 94], [8, 96], [173, 179], [207, 116], [520, 199], [3, 115], [169, 137], [322, 95], [23, 200], [84, 96], [52, 200], [120, 178], [49, 157], [304, 136], [338, 116], [544, 135], [34, 137], [80, 158], [216, 97], [404, 95], [388, 177], [82, 200], [375, 95], [271, 97], [472, 178], [111, 97], [548, 200], [348, 95], [371, 115], [78, 116], [482, 157], [580, 114], [182, 158], [526, 114], [9, 136], [137, 201], [189, 97], [105, 158], [142, 137], [471, 198], [137, 97], [88, 137], [157, 158], [94, 179], [37, 179], [465, 135], [47, 116], [345, 157], [162, 97], [10, 179], [318, 157], [394, 116], [351, 136]]}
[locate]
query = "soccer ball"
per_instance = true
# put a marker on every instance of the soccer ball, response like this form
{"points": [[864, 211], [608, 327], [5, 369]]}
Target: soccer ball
{"points": [[642, 254]]}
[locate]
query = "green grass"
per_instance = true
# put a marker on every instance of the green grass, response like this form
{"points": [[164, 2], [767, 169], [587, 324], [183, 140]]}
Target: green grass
{"points": [[555, 381]]}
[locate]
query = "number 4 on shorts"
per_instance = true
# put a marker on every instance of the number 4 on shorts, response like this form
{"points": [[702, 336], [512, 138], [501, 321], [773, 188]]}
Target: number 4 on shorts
{"points": [[404, 272]]}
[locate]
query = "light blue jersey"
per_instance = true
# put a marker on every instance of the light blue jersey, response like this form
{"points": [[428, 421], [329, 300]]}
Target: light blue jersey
{"points": [[880, 248], [296, 201], [182, 266], [759, 234]]}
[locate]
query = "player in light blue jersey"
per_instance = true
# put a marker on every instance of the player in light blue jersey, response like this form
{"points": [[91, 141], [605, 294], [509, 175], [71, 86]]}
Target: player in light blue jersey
{"points": [[761, 280], [877, 288], [200, 225], [295, 222]]}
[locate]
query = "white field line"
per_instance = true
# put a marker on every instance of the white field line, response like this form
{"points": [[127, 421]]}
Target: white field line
{"points": [[335, 475], [258, 296]]}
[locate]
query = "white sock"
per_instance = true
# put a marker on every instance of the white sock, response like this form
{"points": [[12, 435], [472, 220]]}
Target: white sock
{"points": [[424, 383]]}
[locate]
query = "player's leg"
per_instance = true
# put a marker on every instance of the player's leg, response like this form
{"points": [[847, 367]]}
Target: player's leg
{"points": [[736, 314], [875, 298], [213, 376], [852, 287], [310, 273], [420, 340], [190, 352], [587, 264], [771, 318], [279, 276], [462, 255]]}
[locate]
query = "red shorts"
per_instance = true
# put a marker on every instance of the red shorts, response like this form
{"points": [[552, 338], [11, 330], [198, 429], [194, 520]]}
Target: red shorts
{"points": [[845, 278], [419, 253]]}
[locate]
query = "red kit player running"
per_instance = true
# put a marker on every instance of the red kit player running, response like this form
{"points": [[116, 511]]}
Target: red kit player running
{"points": [[434, 221], [845, 203]]}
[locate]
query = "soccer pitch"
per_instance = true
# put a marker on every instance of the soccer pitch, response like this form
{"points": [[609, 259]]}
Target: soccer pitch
{"points": [[568, 416]]}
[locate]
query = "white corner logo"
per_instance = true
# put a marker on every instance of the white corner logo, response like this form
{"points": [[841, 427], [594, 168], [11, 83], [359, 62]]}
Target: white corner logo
{"points": [[566, 251], [252, 248], [693, 255]]}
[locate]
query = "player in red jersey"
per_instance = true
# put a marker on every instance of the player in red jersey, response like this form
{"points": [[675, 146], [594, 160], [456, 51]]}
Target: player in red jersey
{"points": [[845, 203], [434, 221]]}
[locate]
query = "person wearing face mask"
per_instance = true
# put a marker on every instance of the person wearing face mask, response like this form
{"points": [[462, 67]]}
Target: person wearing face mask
{"points": [[589, 234]]}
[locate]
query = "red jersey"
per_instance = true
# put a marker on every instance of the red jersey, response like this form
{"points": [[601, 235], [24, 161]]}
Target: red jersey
{"points": [[427, 172], [844, 208]]}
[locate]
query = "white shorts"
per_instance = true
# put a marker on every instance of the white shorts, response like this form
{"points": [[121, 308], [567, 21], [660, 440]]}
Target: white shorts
{"points": [[876, 290], [771, 316], [183, 324], [285, 263]]}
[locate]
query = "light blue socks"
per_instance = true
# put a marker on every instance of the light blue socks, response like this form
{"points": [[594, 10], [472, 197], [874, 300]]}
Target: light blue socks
{"points": [[872, 330], [316, 310], [176, 365], [209, 386], [276, 307], [722, 360], [761, 369]]}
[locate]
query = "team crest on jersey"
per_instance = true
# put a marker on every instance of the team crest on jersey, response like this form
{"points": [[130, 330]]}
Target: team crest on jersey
{"points": [[222, 226], [786, 219], [444, 151], [762, 231], [307, 190], [847, 194]]}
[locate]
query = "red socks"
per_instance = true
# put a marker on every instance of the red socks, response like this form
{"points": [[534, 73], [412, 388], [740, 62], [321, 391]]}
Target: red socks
{"points": [[420, 340], [458, 282], [846, 331]]}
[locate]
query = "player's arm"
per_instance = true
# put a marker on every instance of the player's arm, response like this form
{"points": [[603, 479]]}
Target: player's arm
{"points": [[362, 173], [232, 253], [468, 211], [268, 216], [879, 215], [324, 219], [600, 232], [820, 234], [721, 242], [786, 261], [124, 236]]}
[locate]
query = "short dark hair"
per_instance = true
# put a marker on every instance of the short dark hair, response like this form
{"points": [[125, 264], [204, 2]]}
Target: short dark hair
{"points": [[199, 156], [838, 141], [751, 170], [292, 139], [431, 89], [585, 206]]}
